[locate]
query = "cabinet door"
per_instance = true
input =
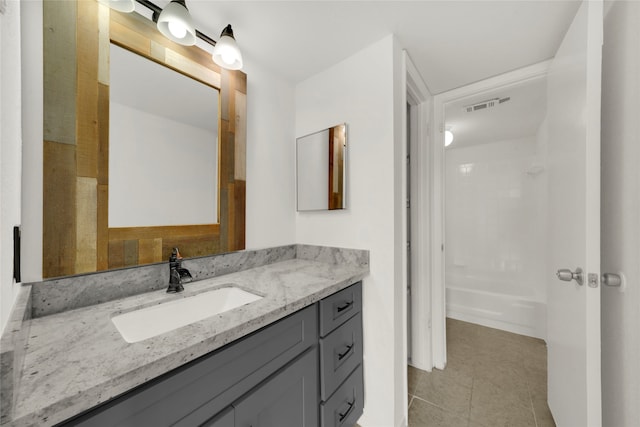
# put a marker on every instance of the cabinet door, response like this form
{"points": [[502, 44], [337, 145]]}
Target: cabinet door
{"points": [[289, 398], [224, 419]]}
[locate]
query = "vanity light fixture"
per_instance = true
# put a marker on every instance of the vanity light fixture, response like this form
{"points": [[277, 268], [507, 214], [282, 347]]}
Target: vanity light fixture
{"points": [[226, 52], [125, 6], [448, 137], [176, 24]]}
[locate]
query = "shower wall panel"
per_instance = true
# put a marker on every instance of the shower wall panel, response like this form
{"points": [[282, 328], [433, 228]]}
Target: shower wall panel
{"points": [[496, 215]]}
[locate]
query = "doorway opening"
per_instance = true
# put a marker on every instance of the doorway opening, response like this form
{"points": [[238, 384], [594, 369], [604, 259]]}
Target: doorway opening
{"points": [[492, 266], [486, 147], [573, 235], [495, 194]]}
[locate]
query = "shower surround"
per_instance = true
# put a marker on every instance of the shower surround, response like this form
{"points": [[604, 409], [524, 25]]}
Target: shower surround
{"points": [[496, 235]]}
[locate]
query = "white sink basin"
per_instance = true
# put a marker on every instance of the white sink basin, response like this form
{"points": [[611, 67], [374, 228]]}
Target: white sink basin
{"points": [[148, 322]]}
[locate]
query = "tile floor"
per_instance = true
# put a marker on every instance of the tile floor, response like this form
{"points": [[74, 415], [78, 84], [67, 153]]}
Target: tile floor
{"points": [[493, 379]]}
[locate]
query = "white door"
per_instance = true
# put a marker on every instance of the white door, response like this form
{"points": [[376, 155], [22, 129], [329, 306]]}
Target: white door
{"points": [[573, 335]]}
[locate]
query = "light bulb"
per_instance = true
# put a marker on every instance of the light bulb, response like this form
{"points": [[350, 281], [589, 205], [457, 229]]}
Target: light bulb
{"points": [[228, 56], [448, 138], [177, 29]]}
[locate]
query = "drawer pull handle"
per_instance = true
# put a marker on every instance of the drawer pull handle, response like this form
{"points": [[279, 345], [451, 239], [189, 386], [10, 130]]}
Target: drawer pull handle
{"points": [[343, 416], [344, 307], [347, 351]]}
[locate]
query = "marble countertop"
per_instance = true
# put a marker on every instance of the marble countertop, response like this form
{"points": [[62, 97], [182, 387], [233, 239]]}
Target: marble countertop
{"points": [[76, 359]]}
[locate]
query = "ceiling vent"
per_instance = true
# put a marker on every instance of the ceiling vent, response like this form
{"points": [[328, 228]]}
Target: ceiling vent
{"points": [[490, 103]]}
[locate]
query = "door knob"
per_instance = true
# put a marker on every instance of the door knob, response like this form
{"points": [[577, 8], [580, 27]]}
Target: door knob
{"points": [[611, 279], [567, 275]]}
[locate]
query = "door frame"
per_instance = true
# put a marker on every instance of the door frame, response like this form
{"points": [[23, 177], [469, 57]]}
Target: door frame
{"points": [[437, 195], [416, 93]]}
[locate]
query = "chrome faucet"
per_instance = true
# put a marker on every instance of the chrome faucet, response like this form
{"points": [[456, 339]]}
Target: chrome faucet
{"points": [[177, 274]]}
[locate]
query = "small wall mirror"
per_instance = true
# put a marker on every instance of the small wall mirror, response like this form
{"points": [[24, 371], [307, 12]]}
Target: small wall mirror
{"points": [[321, 166]]}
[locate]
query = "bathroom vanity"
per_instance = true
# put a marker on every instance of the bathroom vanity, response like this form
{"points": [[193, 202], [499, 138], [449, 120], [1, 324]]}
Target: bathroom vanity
{"points": [[291, 358], [273, 378]]}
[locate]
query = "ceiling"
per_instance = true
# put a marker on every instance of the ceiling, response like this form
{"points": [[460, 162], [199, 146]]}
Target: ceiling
{"points": [[517, 118], [452, 43]]}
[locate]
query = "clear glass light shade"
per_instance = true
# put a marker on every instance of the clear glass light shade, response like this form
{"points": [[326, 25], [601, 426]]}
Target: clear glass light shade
{"points": [[176, 24], [226, 52], [448, 138], [126, 6]]}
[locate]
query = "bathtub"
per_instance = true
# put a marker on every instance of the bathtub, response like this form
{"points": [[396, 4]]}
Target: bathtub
{"points": [[507, 306]]}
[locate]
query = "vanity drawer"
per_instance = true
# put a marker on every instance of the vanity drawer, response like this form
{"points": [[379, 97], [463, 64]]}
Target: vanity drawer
{"points": [[345, 406], [340, 307], [340, 354]]}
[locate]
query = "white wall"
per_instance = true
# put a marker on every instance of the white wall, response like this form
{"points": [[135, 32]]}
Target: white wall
{"points": [[620, 213], [270, 158], [32, 137], [399, 90], [10, 151], [360, 92], [495, 209]]}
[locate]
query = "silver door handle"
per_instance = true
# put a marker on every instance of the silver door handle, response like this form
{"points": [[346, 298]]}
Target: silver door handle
{"points": [[611, 279], [567, 275]]}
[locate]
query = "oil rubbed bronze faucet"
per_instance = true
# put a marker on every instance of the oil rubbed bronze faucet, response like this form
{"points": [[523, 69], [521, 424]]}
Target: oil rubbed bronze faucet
{"points": [[177, 274]]}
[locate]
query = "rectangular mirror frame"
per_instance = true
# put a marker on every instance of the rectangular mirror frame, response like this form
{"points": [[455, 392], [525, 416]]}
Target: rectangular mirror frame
{"points": [[76, 236], [335, 170]]}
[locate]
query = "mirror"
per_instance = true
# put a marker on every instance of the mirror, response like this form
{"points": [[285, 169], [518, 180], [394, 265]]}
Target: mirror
{"points": [[90, 220], [163, 150], [321, 169]]}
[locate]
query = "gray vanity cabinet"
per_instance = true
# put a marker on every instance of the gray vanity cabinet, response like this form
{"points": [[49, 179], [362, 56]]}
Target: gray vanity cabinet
{"points": [[225, 419], [302, 371], [290, 398]]}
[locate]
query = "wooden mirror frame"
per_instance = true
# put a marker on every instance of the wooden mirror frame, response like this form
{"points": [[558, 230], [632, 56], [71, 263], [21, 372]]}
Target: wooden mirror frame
{"points": [[76, 235]]}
